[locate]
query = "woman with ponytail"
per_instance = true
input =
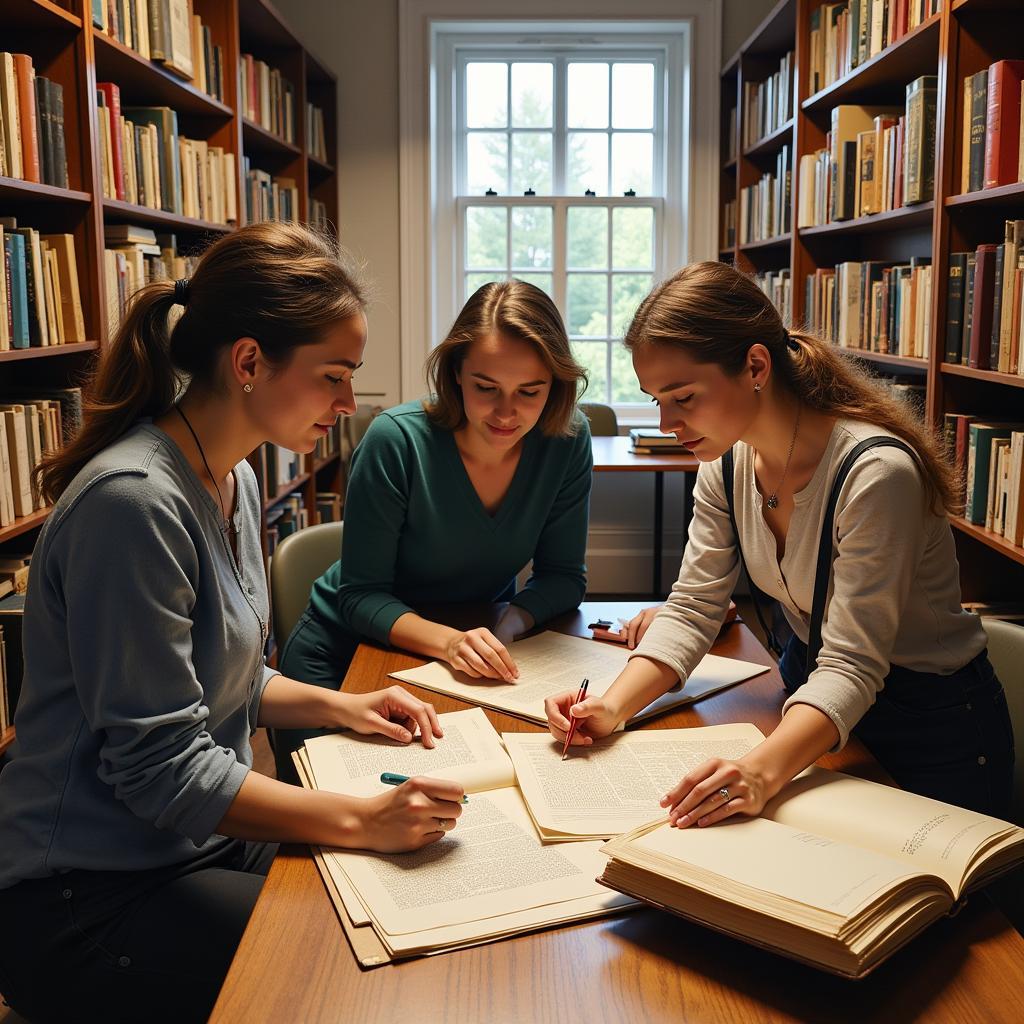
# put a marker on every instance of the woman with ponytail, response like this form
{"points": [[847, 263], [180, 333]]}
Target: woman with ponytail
{"points": [[135, 834], [784, 425]]}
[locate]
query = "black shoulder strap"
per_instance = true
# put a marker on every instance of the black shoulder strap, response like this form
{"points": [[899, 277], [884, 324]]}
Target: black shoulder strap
{"points": [[823, 570], [755, 594]]}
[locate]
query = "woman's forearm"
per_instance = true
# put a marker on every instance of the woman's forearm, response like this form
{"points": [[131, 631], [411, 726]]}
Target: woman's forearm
{"points": [[414, 633], [642, 681], [803, 735], [289, 704]]}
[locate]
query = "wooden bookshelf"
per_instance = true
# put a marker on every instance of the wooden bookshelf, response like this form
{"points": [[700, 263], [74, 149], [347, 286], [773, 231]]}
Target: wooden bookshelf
{"points": [[6, 739], [66, 47], [964, 37]]}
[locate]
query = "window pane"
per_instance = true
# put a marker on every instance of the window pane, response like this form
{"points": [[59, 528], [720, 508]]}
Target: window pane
{"points": [[542, 281], [633, 238], [531, 96], [531, 236], [588, 95], [632, 162], [485, 237], [632, 95], [588, 163], [624, 385], [587, 301], [592, 356], [474, 281], [486, 163], [531, 162], [587, 243], [486, 95], [628, 291]]}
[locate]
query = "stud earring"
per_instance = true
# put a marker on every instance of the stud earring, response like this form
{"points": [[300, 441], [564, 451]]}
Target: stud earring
{"points": [[757, 388], [247, 388]]}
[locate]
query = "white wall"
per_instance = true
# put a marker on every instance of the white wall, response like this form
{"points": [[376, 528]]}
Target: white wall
{"points": [[739, 19]]}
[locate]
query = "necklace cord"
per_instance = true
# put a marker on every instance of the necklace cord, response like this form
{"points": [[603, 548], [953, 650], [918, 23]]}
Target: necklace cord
{"points": [[202, 455]]}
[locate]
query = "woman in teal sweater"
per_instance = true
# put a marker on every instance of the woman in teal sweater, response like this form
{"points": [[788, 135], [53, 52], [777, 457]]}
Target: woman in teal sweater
{"points": [[448, 499]]}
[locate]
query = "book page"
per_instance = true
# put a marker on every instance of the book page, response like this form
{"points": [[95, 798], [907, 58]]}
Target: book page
{"points": [[551, 663], [470, 752], [615, 784], [929, 836]]}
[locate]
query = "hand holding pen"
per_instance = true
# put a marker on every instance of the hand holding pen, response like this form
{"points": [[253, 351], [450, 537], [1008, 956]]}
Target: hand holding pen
{"points": [[572, 718]]}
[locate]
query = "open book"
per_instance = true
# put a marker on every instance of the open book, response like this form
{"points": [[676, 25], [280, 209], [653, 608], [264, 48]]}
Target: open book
{"points": [[615, 784], [550, 663], [489, 878], [837, 872]]}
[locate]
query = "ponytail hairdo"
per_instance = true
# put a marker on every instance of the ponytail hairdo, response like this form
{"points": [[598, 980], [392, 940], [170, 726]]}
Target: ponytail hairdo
{"points": [[715, 313], [283, 284]]}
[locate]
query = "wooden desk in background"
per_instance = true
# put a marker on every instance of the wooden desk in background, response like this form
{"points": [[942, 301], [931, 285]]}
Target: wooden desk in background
{"points": [[613, 455], [294, 962]]}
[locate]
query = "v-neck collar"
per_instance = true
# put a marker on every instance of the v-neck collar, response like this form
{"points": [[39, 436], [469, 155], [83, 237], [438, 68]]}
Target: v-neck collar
{"points": [[514, 488]]}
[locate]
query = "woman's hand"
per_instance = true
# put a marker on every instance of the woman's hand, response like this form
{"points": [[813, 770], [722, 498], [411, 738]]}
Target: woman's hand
{"points": [[414, 814], [393, 712], [635, 628], [716, 790], [479, 653], [596, 718]]}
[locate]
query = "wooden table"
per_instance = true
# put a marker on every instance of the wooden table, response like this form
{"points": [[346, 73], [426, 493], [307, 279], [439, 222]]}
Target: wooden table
{"points": [[294, 963], [614, 455]]}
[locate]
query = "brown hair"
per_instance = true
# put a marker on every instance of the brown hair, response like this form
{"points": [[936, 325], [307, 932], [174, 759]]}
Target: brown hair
{"points": [[716, 313], [519, 310], [279, 283]]}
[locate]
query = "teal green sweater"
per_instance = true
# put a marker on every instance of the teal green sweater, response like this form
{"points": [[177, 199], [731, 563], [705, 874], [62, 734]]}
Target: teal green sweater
{"points": [[416, 532]]}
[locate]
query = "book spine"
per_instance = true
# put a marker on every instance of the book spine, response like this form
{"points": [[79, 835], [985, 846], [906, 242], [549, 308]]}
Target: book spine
{"points": [[24, 74], [979, 110], [1002, 120], [60, 152], [997, 303], [112, 96], [955, 306], [965, 347], [981, 308], [45, 127]]}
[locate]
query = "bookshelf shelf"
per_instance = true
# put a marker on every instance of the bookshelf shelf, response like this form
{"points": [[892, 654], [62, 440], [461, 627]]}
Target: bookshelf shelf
{"points": [[1004, 195], [771, 143], [6, 738], [147, 82], [876, 223], [913, 55], [115, 210], [317, 168], [776, 242], [990, 376], [993, 540], [16, 354], [285, 490], [259, 140], [319, 464], [16, 190], [39, 14], [729, 167], [904, 362], [23, 524]]}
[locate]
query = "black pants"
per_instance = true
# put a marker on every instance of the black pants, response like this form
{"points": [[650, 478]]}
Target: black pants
{"points": [[947, 737], [128, 946]]}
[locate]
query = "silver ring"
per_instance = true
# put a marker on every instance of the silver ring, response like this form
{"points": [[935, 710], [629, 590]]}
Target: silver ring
{"points": [[725, 794], [445, 823]]}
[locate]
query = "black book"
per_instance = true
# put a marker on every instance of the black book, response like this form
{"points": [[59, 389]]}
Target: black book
{"points": [[849, 182], [965, 348], [44, 124], [979, 121], [955, 305], [60, 152], [997, 306]]}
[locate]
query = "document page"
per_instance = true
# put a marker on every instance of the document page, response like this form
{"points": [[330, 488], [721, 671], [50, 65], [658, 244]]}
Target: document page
{"points": [[615, 784], [551, 663]]}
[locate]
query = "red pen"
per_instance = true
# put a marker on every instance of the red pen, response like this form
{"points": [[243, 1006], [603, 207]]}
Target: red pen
{"points": [[572, 718]]}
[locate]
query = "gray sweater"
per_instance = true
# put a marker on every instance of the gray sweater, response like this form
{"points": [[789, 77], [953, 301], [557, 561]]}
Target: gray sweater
{"points": [[894, 597], [144, 668]]}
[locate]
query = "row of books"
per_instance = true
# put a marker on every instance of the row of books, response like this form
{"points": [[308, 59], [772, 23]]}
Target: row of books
{"points": [[846, 35], [984, 296], [777, 285], [28, 431], [876, 159], [148, 163], [316, 134], [768, 105], [318, 214], [993, 126], [167, 32], [644, 441], [875, 306], [765, 207], [268, 197], [32, 145], [40, 301], [267, 97], [990, 459]]}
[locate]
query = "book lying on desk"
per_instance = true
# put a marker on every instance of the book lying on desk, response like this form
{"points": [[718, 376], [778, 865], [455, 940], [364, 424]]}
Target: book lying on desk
{"points": [[550, 663], [654, 442], [489, 878], [837, 872]]}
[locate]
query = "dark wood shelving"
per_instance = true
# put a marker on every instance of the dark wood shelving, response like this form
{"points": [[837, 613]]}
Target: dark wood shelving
{"points": [[771, 143], [39, 15], [6, 738], [776, 242], [1004, 195], [876, 223], [285, 490], [115, 210], [259, 140], [905, 362], [44, 351], [23, 524], [989, 376], [17, 190], [996, 541]]}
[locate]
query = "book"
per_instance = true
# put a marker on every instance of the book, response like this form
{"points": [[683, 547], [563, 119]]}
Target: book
{"points": [[836, 872], [550, 662], [919, 151], [70, 299], [24, 75], [112, 103], [489, 878], [652, 438], [15, 270], [1002, 122], [10, 121], [979, 458], [979, 115], [955, 305], [981, 307]]}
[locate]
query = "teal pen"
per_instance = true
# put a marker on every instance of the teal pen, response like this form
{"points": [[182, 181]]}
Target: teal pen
{"points": [[394, 779]]}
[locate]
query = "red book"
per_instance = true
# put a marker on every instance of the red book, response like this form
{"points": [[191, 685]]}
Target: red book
{"points": [[112, 95], [981, 307], [1002, 140], [25, 84]]}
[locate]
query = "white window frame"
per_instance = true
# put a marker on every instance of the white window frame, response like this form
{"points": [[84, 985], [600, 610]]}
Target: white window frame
{"points": [[427, 116]]}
